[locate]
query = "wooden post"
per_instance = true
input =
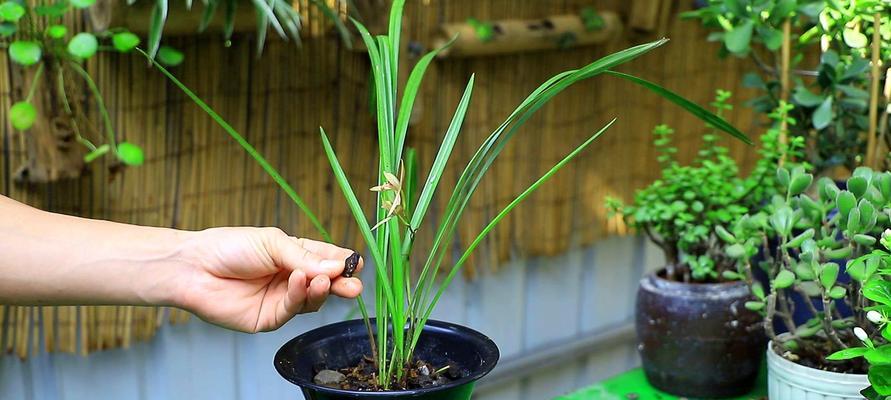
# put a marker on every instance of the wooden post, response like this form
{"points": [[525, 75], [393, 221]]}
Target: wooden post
{"points": [[786, 58], [515, 36]]}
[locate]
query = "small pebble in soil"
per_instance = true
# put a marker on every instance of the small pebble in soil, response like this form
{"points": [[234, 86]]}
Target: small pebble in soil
{"points": [[327, 377]]}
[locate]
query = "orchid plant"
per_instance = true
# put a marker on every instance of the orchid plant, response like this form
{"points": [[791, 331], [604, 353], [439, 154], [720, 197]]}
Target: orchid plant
{"points": [[403, 304]]}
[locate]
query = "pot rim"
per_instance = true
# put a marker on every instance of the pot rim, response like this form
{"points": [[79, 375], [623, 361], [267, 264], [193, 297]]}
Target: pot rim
{"points": [[655, 281], [813, 373], [488, 351]]}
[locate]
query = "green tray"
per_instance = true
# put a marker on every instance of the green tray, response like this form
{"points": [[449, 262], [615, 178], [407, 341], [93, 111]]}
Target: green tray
{"points": [[633, 385]]}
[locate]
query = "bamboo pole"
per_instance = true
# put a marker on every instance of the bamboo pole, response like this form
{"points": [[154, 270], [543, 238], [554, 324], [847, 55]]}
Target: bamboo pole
{"points": [[786, 59], [875, 75]]}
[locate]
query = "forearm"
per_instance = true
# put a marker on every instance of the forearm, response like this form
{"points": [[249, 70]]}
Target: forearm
{"points": [[48, 258]]}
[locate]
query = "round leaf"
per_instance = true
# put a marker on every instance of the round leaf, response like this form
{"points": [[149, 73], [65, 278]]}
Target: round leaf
{"points": [[83, 45], [854, 38], [25, 52], [784, 279], [837, 292], [11, 11], [858, 185], [823, 114], [124, 41], [56, 31], [130, 154], [755, 305], [828, 275], [800, 183], [845, 202], [81, 3], [22, 115], [169, 56], [738, 39]]}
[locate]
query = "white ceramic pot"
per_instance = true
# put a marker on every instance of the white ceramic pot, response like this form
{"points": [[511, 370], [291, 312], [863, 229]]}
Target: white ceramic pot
{"points": [[787, 380]]}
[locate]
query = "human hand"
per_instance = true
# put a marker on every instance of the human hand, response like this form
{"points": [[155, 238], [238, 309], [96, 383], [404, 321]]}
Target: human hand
{"points": [[256, 279]]}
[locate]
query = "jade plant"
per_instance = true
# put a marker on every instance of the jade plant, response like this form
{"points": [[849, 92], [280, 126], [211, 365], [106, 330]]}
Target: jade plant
{"points": [[37, 41], [823, 56], [816, 242], [404, 303], [680, 211]]}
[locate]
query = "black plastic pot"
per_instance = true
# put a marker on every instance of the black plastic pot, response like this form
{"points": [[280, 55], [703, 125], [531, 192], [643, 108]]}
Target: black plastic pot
{"points": [[698, 340], [343, 344]]}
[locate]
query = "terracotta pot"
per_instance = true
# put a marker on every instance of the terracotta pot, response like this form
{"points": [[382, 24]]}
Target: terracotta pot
{"points": [[698, 340]]}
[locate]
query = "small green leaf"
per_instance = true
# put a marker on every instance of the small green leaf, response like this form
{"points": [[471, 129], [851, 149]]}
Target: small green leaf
{"points": [[56, 31], [845, 202], [823, 114], [828, 275], [83, 45], [847, 354], [736, 251], [804, 97], [784, 279], [738, 39], [858, 185], [81, 3], [783, 177], [804, 271], [878, 290], [11, 11], [730, 275], [837, 292], [839, 253], [854, 38], [22, 115], [755, 305], [8, 29], [124, 41], [758, 290], [130, 154], [879, 356], [880, 378], [854, 226], [799, 240], [25, 52], [800, 183], [169, 56], [724, 234], [864, 240], [99, 152]]}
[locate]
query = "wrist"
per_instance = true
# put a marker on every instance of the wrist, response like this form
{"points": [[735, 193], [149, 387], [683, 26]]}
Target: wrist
{"points": [[164, 272]]}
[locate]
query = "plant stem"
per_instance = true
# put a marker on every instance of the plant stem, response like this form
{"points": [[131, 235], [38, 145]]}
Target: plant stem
{"points": [[100, 103], [34, 82]]}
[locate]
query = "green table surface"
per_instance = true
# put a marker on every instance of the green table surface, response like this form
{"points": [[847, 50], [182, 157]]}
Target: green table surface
{"points": [[633, 385]]}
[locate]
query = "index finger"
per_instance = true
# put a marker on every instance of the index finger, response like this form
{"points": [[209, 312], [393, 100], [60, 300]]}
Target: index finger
{"points": [[325, 250]]}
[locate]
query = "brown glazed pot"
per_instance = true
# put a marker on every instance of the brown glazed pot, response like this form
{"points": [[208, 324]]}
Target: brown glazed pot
{"points": [[698, 340]]}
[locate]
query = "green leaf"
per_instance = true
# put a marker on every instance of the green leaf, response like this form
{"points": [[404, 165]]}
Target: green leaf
{"points": [[879, 356], [22, 115], [800, 183], [858, 185], [11, 11], [847, 354], [130, 154], [864, 240], [56, 31], [83, 45], [854, 38], [784, 279], [805, 98], [828, 275], [81, 3], [772, 38], [738, 39], [169, 56], [823, 114], [804, 271], [783, 177], [25, 52], [878, 290], [736, 251], [880, 378], [758, 290], [124, 41], [724, 234], [853, 226], [157, 20], [691, 107], [755, 305], [845, 202], [98, 152], [8, 29], [837, 292]]}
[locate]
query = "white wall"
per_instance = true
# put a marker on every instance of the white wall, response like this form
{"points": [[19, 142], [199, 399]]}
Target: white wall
{"points": [[526, 307]]}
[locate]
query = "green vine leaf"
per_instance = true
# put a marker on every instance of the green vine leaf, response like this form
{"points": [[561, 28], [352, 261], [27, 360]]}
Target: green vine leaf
{"points": [[99, 152], [11, 11], [83, 45], [169, 56], [130, 154], [26, 53], [56, 31], [823, 115], [22, 115], [738, 39], [124, 41]]}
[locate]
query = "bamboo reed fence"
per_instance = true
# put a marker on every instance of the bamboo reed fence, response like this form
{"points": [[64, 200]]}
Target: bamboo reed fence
{"points": [[196, 177]]}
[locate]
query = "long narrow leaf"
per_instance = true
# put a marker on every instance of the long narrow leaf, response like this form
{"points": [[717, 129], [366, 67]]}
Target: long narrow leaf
{"points": [[276, 176], [157, 19], [688, 105]]}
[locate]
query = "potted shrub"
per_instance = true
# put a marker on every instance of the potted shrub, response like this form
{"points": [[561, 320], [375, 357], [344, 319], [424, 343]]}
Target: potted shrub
{"points": [[695, 338], [805, 240], [401, 353]]}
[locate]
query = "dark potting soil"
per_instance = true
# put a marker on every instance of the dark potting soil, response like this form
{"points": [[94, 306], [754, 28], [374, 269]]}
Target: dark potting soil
{"points": [[814, 356], [363, 377]]}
